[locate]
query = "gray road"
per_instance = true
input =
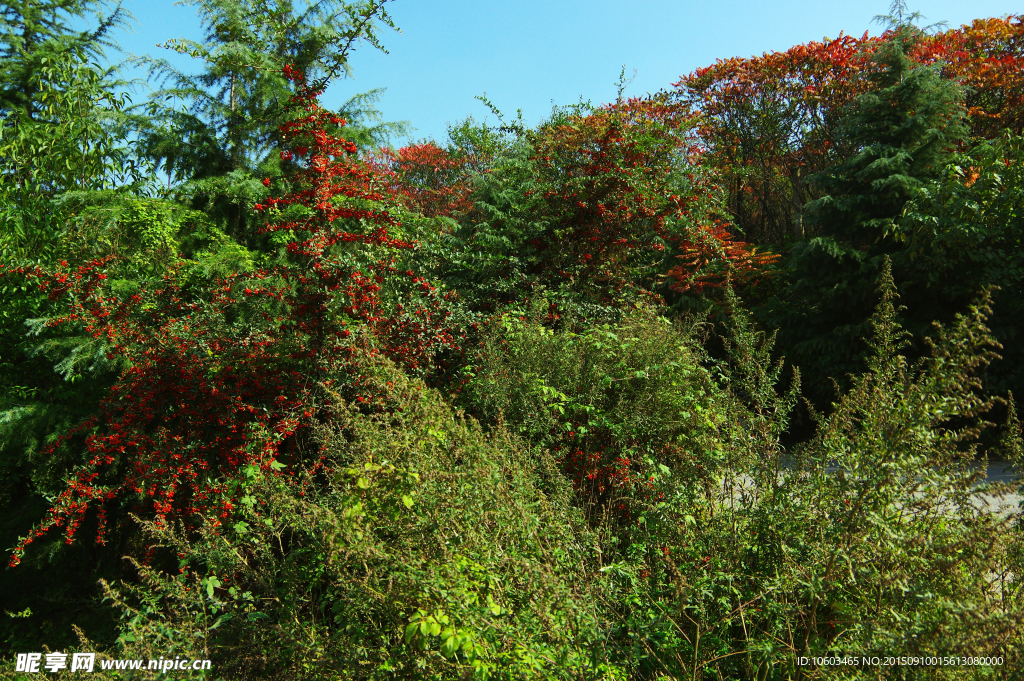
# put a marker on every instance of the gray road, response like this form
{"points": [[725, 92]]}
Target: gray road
{"points": [[996, 472], [1000, 471]]}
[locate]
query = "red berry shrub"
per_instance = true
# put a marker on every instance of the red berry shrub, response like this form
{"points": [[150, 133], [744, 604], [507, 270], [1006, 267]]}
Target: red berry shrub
{"points": [[606, 191], [233, 378]]}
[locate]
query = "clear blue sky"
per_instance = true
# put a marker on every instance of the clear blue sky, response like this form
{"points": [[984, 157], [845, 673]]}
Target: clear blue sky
{"points": [[527, 53]]}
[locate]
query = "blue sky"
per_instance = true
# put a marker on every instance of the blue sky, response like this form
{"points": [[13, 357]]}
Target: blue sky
{"points": [[527, 54]]}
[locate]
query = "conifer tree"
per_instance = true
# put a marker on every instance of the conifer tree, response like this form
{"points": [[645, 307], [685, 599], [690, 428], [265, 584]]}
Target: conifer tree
{"points": [[233, 107], [904, 131], [61, 120], [36, 33]]}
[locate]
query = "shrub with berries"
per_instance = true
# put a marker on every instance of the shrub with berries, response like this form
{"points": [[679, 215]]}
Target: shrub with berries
{"points": [[234, 377]]}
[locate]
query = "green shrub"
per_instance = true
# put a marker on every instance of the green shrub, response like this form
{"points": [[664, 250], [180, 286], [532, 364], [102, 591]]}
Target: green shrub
{"points": [[420, 548], [868, 541], [619, 405]]}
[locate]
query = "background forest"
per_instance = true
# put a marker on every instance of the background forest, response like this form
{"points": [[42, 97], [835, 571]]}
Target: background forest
{"points": [[682, 386]]}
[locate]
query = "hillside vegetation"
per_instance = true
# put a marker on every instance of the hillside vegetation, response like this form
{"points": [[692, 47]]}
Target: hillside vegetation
{"points": [[692, 386]]}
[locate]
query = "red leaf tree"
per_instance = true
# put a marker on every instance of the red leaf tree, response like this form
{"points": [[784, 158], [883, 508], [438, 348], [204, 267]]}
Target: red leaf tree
{"points": [[771, 121], [986, 56], [427, 179]]}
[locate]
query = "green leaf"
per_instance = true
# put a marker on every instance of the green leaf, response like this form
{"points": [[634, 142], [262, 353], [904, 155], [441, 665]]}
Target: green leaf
{"points": [[407, 500], [226, 617]]}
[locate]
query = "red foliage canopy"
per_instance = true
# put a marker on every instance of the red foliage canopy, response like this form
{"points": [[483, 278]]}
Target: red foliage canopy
{"points": [[428, 179], [771, 121], [621, 187], [987, 56]]}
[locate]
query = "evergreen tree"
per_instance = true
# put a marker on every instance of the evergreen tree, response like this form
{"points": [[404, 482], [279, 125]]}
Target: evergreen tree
{"points": [[904, 131], [215, 133], [62, 125], [234, 106], [35, 34]]}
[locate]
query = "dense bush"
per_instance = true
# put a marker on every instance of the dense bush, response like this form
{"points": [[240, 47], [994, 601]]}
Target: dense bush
{"points": [[435, 412], [419, 546], [416, 546], [614, 403], [600, 207]]}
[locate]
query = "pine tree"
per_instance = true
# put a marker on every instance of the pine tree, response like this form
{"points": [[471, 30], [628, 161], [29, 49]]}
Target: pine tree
{"points": [[60, 116], [904, 131]]}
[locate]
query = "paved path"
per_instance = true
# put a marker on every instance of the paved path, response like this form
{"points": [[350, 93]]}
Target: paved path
{"points": [[1000, 471], [997, 471]]}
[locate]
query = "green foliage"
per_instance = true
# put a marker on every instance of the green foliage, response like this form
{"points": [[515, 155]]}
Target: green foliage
{"points": [[479, 142], [591, 206], [232, 109], [420, 548], [595, 491], [70, 142], [35, 35], [365, 125], [903, 130], [966, 232], [215, 133], [61, 122], [869, 540], [614, 402], [62, 147], [57, 378]]}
